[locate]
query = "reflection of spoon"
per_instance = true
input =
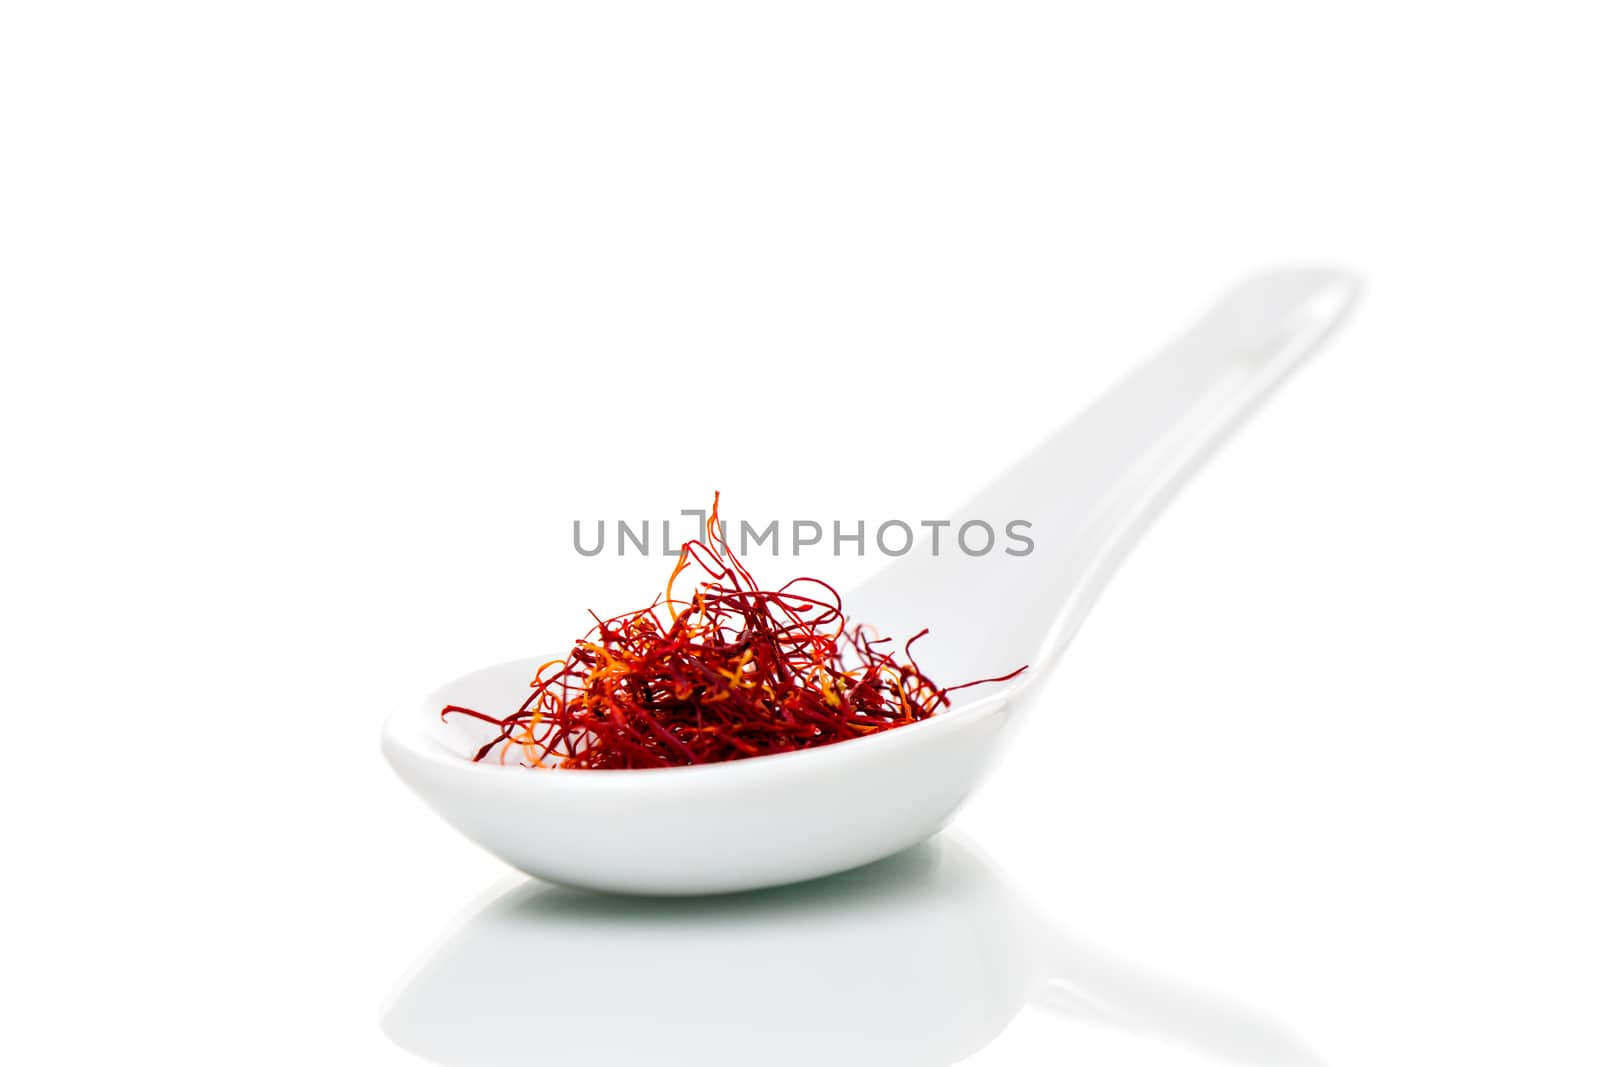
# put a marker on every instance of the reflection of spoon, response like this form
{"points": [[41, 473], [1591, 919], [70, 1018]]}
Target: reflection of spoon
{"points": [[1088, 491], [921, 959]]}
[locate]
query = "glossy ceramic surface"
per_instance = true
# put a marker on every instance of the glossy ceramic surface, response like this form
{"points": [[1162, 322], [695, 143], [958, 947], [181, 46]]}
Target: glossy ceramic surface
{"points": [[1090, 490]]}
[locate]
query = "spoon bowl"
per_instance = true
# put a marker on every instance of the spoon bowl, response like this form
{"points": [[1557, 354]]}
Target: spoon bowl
{"points": [[1089, 491], [714, 828]]}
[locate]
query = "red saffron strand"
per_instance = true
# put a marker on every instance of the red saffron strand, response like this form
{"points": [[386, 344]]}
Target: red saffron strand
{"points": [[731, 672]]}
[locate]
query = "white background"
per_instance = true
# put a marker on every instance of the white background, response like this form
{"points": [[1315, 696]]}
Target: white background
{"points": [[321, 322]]}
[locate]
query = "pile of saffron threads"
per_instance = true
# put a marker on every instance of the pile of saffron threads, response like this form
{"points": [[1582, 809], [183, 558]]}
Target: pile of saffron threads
{"points": [[731, 672]]}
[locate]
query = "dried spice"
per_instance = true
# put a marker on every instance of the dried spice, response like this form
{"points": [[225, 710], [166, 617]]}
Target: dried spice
{"points": [[729, 672]]}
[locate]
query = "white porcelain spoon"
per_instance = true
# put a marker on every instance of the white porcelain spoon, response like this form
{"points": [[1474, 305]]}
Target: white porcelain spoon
{"points": [[1089, 492]]}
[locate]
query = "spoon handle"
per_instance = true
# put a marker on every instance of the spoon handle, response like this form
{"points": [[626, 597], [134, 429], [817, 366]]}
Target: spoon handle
{"points": [[1096, 484]]}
